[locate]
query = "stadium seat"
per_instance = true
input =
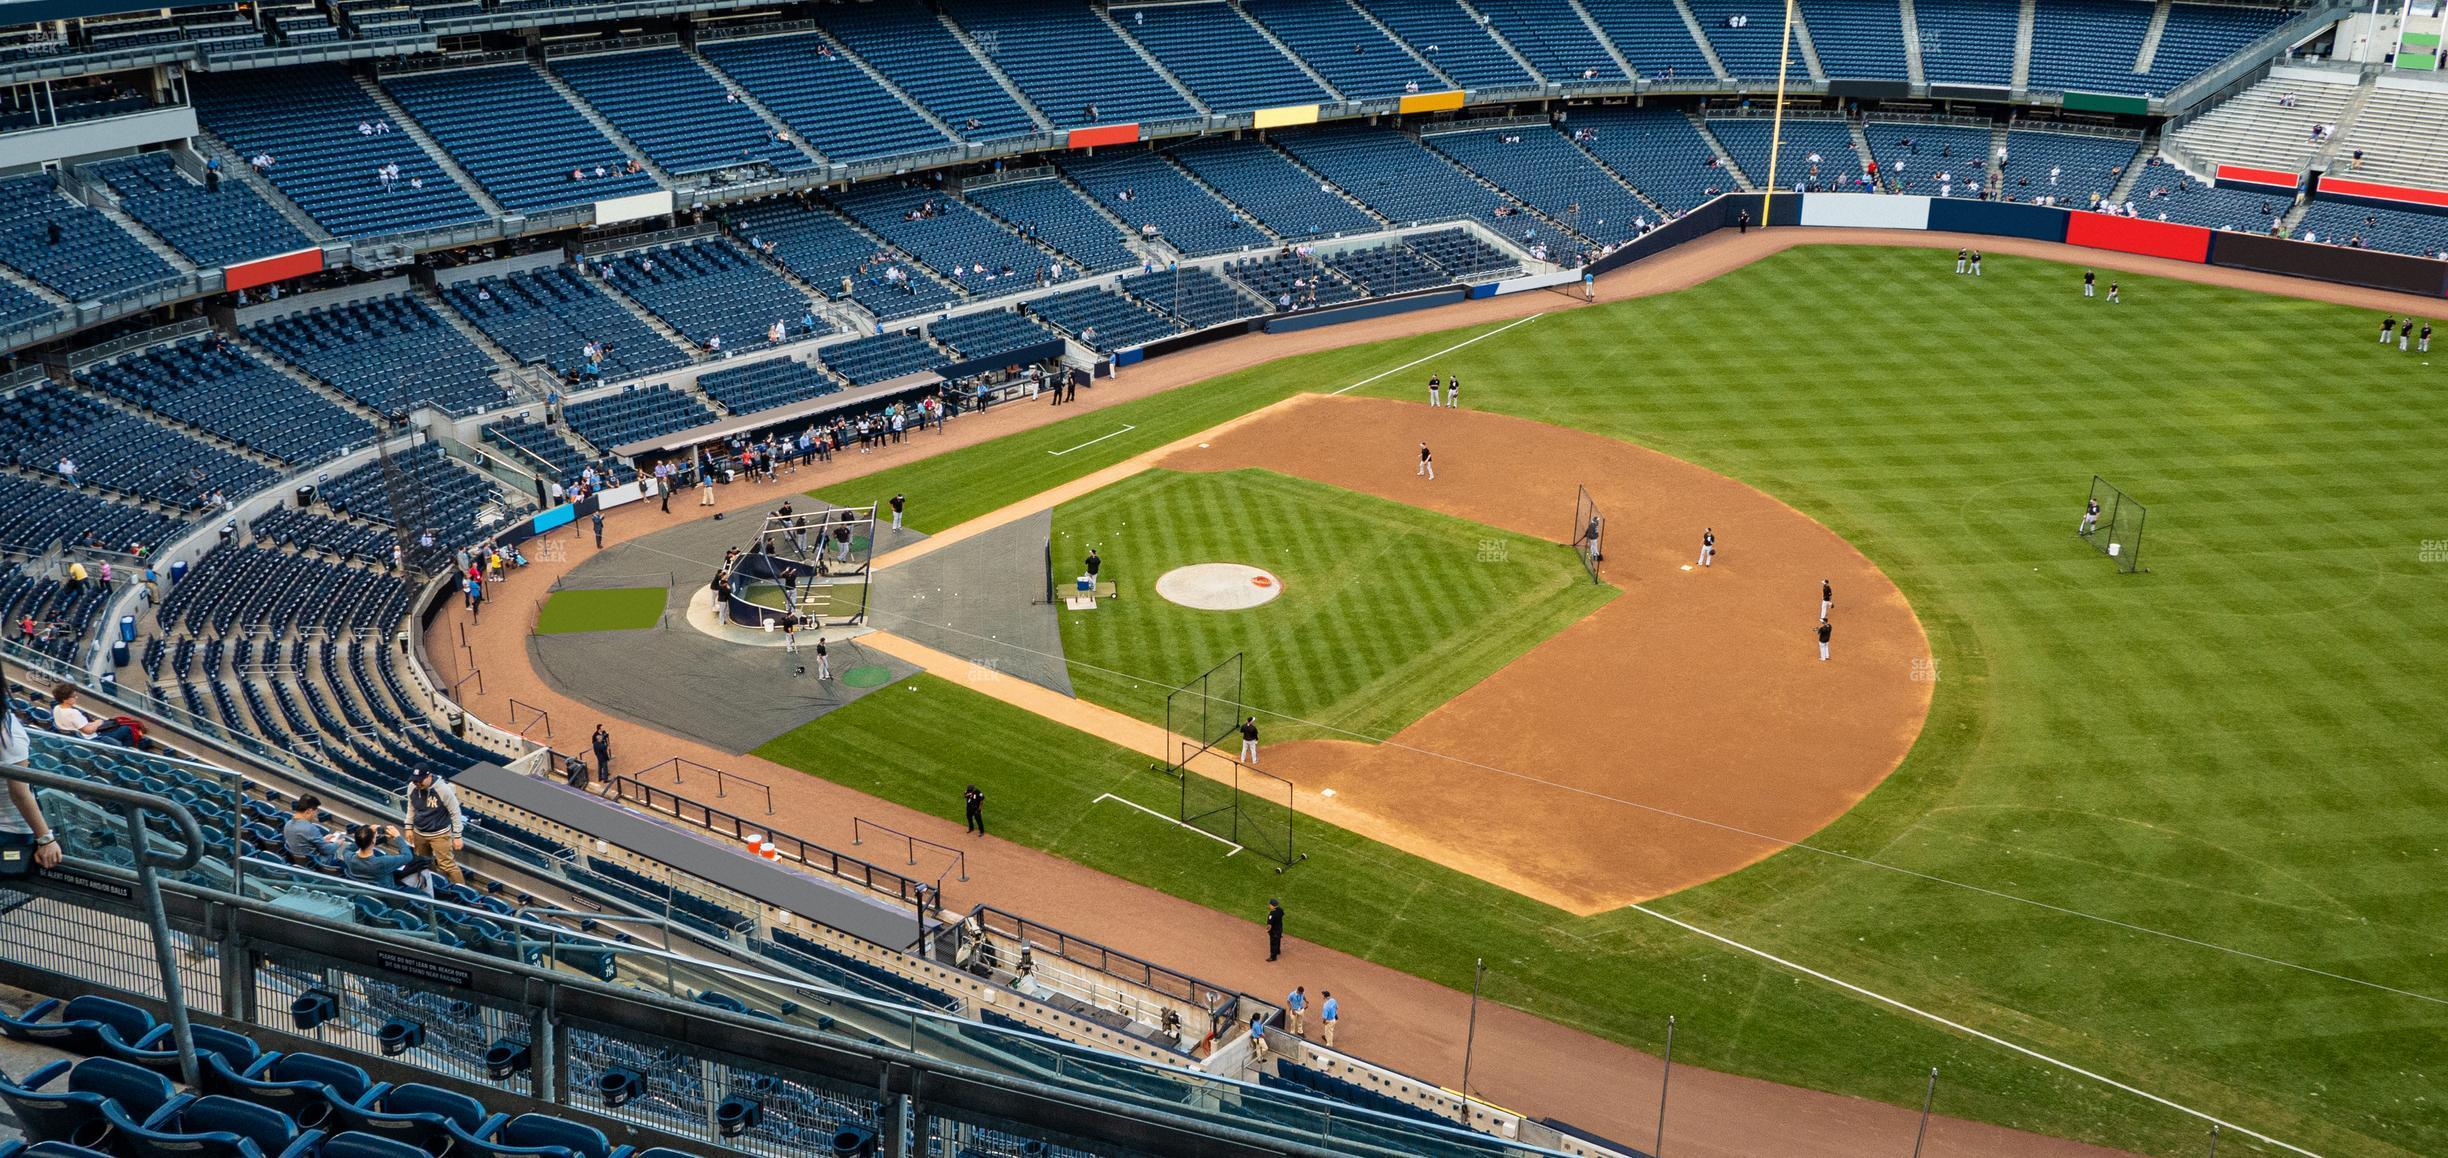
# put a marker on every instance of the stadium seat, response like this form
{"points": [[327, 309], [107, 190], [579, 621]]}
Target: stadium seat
{"points": [[305, 1087], [80, 1103], [91, 1025], [532, 1136], [414, 1114], [212, 1127]]}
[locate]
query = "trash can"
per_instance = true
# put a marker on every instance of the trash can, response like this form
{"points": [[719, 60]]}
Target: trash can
{"points": [[305, 495], [119, 653], [127, 628], [178, 572], [458, 724], [110, 684]]}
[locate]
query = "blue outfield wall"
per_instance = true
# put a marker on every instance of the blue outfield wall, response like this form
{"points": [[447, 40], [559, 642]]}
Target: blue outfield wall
{"points": [[1378, 308], [1998, 219]]}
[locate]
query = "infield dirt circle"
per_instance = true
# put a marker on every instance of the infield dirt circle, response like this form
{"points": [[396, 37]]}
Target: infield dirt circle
{"points": [[1683, 731]]}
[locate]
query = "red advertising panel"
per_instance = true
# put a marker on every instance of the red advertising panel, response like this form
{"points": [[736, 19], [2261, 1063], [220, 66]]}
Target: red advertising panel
{"points": [[2342, 187], [1102, 135], [2281, 178], [265, 271], [2138, 235]]}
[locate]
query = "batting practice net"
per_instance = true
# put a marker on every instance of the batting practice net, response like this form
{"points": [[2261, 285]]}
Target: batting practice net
{"points": [[1589, 533], [1220, 795], [2118, 534]]}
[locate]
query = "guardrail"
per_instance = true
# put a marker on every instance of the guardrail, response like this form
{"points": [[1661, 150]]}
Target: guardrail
{"points": [[859, 825], [815, 857], [722, 780]]}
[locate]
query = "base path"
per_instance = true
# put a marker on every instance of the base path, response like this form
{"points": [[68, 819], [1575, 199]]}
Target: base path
{"points": [[1629, 755]]}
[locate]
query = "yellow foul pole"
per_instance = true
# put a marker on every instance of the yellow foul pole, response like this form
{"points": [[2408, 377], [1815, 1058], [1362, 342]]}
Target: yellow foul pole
{"points": [[1776, 125]]}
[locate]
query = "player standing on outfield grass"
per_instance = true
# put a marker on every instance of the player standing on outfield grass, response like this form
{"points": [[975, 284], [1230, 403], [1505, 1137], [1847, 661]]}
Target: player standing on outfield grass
{"points": [[1824, 632], [973, 808], [1453, 391], [1976, 263], [2405, 336], [2090, 521], [1435, 384], [1827, 598], [2387, 325], [2090, 284], [1708, 546], [2112, 293], [1249, 741], [1427, 464], [1963, 259], [2425, 347]]}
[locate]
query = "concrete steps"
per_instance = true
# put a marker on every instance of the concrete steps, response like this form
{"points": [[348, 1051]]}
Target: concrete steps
{"points": [[1700, 37], [1106, 14], [773, 121], [605, 126], [407, 124]]}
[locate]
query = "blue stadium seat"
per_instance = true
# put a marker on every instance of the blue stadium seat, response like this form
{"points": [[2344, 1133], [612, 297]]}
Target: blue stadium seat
{"points": [[80, 1103], [1195, 297], [989, 333], [91, 1025], [1967, 41], [824, 97], [1102, 319], [1053, 213], [1067, 60], [517, 137], [92, 259], [866, 361], [1269, 187], [904, 40], [546, 317], [393, 354], [1227, 63], [1658, 152], [1446, 36], [678, 112], [1392, 174], [1289, 282], [706, 289], [766, 385], [213, 1127], [2088, 45], [827, 252], [2360, 226], [2084, 163], [532, 1136], [214, 386], [2199, 36], [305, 118], [231, 225], [634, 414], [415, 1114], [1746, 139], [1142, 189], [1749, 51], [1856, 39], [1352, 54], [1552, 37], [120, 450], [1541, 167], [304, 1087], [960, 244]]}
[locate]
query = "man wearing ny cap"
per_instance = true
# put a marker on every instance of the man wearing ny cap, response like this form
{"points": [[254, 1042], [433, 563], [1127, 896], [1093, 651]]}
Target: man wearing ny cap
{"points": [[434, 823]]}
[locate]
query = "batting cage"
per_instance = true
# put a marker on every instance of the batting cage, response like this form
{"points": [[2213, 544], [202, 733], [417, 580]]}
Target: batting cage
{"points": [[1220, 795], [1589, 533], [812, 563], [2118, 532]]}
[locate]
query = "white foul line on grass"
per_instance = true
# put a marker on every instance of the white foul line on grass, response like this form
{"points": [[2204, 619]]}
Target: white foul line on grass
{"points": [[1961, 1028], [1441, 353], [1126, 429], [1103, 797]]}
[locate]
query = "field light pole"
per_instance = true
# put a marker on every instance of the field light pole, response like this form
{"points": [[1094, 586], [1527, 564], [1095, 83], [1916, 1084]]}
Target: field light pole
{"points": [[1776, 123], [1470, 1037], [1665, 1078]]}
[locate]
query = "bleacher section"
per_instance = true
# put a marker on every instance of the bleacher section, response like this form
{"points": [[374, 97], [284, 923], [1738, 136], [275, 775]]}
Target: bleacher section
{"points": [[683, 117], [2201, 35], [452, 495], [34, 516], [120, 450], [904, 40], [1392, 268], [1551, 36], [1053, 213], [881, 358], [2084, 164], [393, 354], [956, 241], [231, 225], [212, 386], [1344, 47], [516, 136], [70, 248], [545, 317], [632, 414], [2398, 133], [2088, 45], [1658, 152], [2254, 128], [1657, 42], [1747, 140], [1069, 63], [1460, 253], [2168, 193], [822, 96], [1856, 39], [1446, 37], [1537, 164], [1397, 177], [1103, 320], [2373, 227], [827, 252], [988, 333], [539, 448], [1291, 282], [1227, 63], [707, 289], [1143, 190], [765, 385], [1270, 188], [305, 119], [1197, 298], [19, 308], [1967, 41], [1748, 52], [1910, 155]]}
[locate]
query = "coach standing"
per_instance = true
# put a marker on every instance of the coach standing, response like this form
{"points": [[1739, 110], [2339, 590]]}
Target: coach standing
{"points": [[596, 520], [1249, 741], [973, 807], [1275, 918], [1824, 632], [1094, 563], [1708, 546], [898, 503], [1827, 598]]}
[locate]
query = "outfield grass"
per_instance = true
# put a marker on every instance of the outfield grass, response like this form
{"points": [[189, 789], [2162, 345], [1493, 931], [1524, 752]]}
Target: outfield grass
{"points": [[1386, 610], [600, 609], [2239, 747]]}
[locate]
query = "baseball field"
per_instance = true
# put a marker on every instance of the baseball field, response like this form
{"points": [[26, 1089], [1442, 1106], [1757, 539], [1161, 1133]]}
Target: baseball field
{"points": [[2180, 830]]}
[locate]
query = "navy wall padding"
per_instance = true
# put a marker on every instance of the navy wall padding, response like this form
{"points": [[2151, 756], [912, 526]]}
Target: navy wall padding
{"points": [[1998, 218], [1382, 307]]}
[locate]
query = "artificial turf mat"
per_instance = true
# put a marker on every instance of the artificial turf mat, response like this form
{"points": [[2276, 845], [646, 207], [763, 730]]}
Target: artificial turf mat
{"points": [[601, 609]]}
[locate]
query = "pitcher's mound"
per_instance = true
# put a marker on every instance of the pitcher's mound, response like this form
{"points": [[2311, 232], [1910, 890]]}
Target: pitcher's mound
{"points": [[1218, 586]]}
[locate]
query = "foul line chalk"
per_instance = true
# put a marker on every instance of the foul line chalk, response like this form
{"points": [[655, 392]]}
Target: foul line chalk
{"points": [[1126, 429], [1168, 820], [1440, 353]]}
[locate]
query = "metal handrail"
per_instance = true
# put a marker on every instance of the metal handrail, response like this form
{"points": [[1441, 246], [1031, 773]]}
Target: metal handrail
{"points": [[960, 857], [722, 779], [540, 715], [815, 857]]}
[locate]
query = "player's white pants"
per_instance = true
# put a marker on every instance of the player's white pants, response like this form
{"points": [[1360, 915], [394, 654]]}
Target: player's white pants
{"points": [[2090, 290], [2424, 346], [1823, 653], [2384, 337], [1962, 265], [2090, 523], [2401, 341], [790, 643], [1249, 751], [824, 667], [1706, 554], [1824, 605], [2112, 297], [896, 520], [1453, 400], [1435, 399], [1976, 269], [1427, 468]]}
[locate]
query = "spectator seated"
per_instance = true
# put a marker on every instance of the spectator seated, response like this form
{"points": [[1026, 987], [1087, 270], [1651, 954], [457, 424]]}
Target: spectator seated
{"points": [[1748, 49], [1552, 37], [517, 137], [307, 121], [903, 40], [72, 249], [1537, 164], [290, 527], [34, 517], [1910, 155], [1446, 36], [1657, 151], [1227, 63], [209, 229], [1856, 39], [546, 317], [959, 243], [210, 385], [1103, 320], [766, 385], [1287, 282], [1289, 202], [2361, 226], [1069, 62], [1195, 296], [1967, 41], [1351, 53], [632, 414], [122, 451], [881, 358], [1051, 213], [830, 254], [825, 98], [989, 334], [391, 353], [1158, 201], [707, 289], [678, 112], [1746, 139], [2084, 164]]}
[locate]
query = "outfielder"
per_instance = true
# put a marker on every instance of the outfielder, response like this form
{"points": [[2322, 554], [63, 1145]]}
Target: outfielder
{"points": [[2090, 521], [1453, 392], [2090, 284], [1708, 546], [1976, 263], [1427, 464], [2425, 345], [2112, 293], [1827, 599], [1962, 260], [1824, 632], [1435, 385], [2387, 325]]}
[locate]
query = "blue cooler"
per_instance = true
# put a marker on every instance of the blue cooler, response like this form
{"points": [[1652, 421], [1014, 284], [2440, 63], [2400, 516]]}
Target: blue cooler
{"points": [[178, 572], [127, 629]]}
